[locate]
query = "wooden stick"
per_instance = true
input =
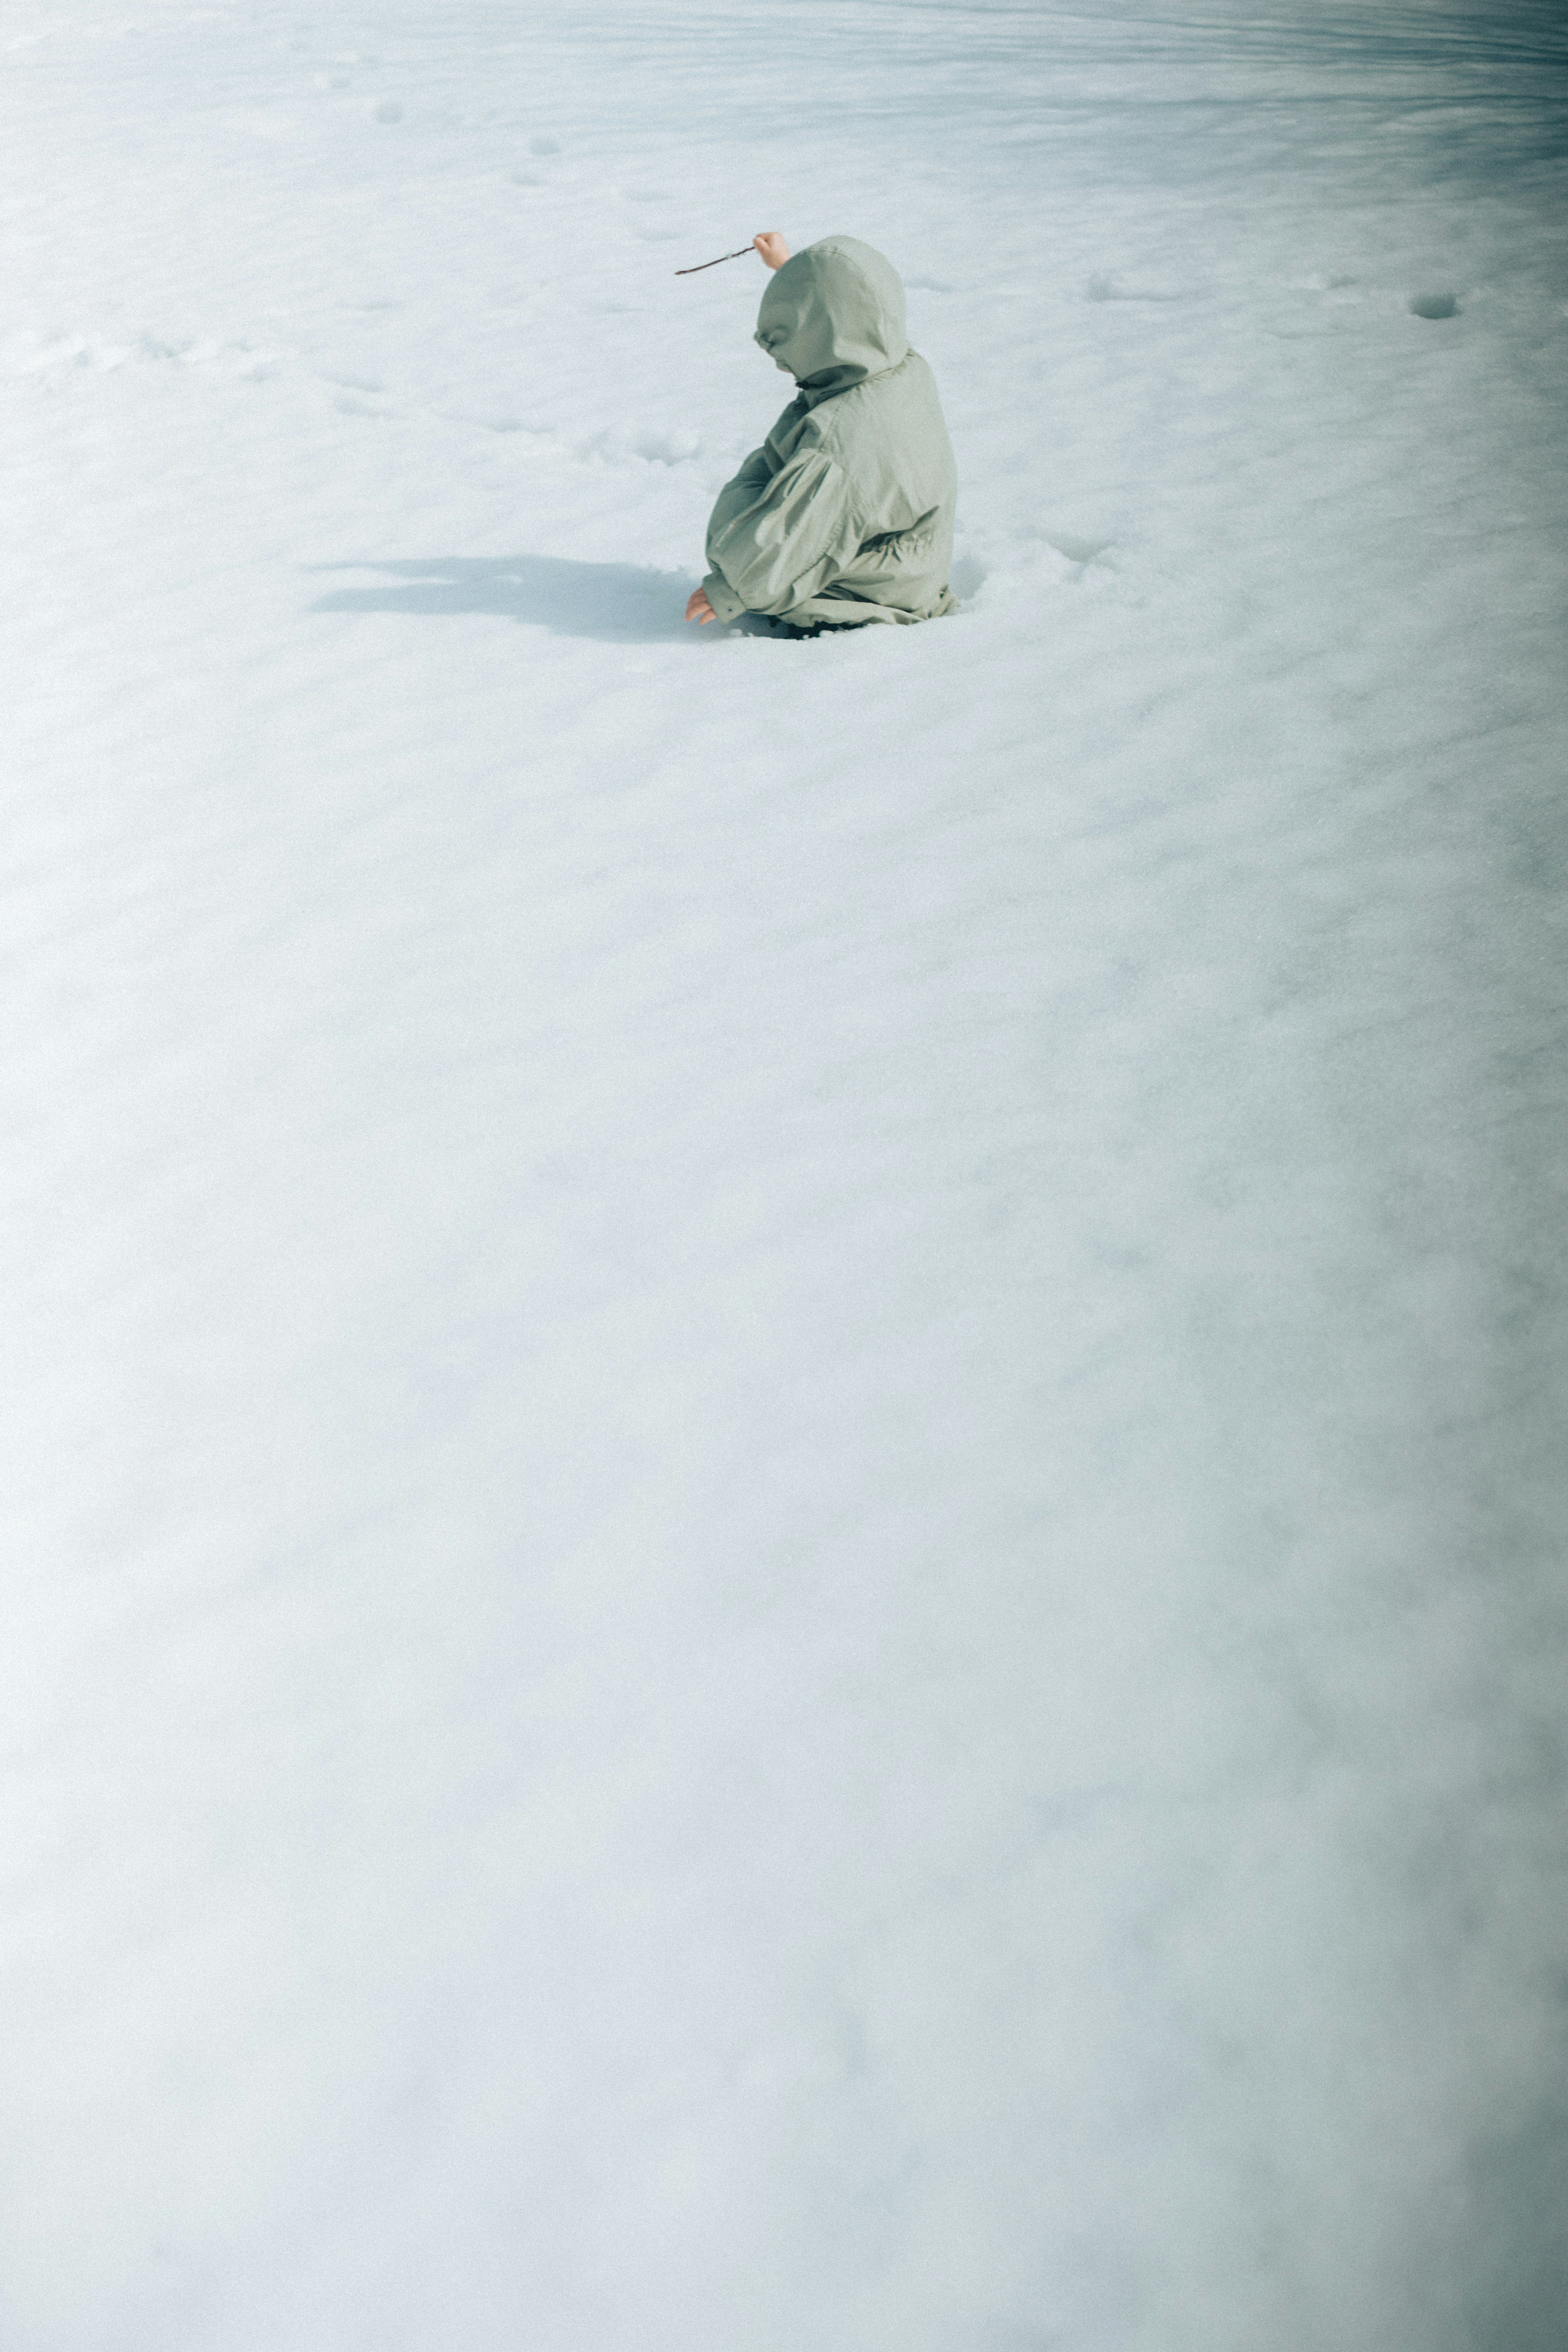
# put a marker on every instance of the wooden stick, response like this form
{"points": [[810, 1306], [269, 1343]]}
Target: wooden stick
{"points": [[714, 265]]}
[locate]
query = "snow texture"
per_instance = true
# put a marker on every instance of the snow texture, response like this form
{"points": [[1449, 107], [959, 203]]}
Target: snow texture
{"points": [[784, 1469]]}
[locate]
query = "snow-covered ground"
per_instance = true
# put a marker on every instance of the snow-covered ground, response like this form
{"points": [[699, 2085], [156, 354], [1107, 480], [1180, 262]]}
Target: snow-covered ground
{"points": [[784, 1483]]}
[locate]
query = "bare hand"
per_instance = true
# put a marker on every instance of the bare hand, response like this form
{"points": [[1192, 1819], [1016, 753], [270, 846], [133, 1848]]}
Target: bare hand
{"points": [[698, 609], [772, 247]]}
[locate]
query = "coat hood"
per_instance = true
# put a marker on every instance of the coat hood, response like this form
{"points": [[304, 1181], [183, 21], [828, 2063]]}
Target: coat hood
{"points": [[833, 316]]}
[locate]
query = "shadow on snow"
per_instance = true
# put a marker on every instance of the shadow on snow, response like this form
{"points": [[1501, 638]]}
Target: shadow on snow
{"points": [[615, 601]]}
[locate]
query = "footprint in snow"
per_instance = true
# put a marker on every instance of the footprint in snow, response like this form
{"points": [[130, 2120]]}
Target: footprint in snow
{"points": [[387, 109], [1101, 288], [668, 448], [357, 395], [1434, 306], [1077, 550]]}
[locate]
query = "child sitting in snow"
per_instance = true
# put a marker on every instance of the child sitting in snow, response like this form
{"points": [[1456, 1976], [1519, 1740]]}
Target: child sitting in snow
{"points": [[845, 514]]}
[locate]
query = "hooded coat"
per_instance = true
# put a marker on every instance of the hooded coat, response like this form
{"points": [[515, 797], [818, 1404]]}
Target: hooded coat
{"points": [[845, 514]]}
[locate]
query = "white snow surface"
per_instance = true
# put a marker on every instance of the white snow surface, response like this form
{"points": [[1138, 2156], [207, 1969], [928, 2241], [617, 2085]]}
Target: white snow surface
{"points": [[784, 1471]]}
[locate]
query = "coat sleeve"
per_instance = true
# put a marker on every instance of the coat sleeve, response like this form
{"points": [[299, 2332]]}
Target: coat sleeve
{"points": [[743, 490], [788, 540]]}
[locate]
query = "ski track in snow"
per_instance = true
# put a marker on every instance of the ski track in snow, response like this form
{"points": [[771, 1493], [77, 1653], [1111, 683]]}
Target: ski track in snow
{"points": [[785, 1503]]}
